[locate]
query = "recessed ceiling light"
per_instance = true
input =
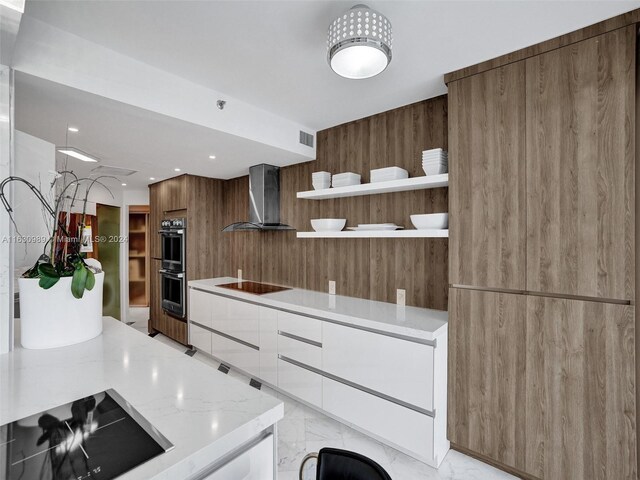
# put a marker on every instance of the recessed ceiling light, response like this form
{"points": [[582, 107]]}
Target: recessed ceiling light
{"points": [[76, 153], [152, 178], [176, 169], [124, 184], [73, 129], [212, 157]]}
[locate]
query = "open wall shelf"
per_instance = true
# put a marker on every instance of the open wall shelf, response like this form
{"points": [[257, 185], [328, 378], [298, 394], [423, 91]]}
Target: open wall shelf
{"points": [[377, 234], [416, 183]]}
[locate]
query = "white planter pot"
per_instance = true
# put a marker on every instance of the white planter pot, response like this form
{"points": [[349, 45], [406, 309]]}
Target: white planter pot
{"points": [[55, 318]]}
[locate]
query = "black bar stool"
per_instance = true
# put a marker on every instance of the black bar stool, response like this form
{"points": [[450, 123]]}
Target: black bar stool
{"points": [[335, 464]]}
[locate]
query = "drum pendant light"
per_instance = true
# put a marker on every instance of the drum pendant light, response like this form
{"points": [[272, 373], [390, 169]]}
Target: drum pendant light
{"points": [[359, 43]]}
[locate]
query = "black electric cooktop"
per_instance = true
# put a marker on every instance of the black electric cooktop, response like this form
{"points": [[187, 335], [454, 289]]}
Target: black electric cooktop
{"points": [[255, 288], [97, 437]]}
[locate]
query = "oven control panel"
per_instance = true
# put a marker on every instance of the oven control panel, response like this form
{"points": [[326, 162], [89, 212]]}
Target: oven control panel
{"points": [[174, 223]]}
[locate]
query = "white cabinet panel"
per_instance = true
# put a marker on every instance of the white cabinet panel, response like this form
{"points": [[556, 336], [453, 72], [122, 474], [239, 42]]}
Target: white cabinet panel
{"points": [[299, 325], [238, 319], [407, 429], [200, 338], [236, 354], [300, 383], [200, 307], [300, 351], [395, 367], [256, 463], [269, 345]]}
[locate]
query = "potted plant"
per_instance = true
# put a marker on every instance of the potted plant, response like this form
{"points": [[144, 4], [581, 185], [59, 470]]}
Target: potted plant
{"points": [[61, 295]]}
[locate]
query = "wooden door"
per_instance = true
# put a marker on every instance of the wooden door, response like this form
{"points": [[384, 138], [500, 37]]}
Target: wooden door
{"points": [[486, 387], [580, 168], [580, 390], [487, 179]]}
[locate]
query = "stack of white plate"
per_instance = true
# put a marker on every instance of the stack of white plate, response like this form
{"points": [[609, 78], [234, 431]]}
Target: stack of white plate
{"points": [[345, 179], [375, 227], [387, 174], [321, 180], [435, 161]]}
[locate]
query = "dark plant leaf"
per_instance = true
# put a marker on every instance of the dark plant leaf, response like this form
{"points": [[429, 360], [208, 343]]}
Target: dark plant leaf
{"points": [[79, 281], [48, 275], [91, 280], [48, 282]]}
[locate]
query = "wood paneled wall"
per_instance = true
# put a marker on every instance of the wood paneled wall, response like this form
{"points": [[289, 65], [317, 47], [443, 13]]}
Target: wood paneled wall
{"points": [[365, 268]]}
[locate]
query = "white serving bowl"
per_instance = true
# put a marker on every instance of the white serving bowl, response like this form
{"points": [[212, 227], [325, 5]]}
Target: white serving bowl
{"points": [[430, 221], [321, 185], [328, 224], [437, 169]]}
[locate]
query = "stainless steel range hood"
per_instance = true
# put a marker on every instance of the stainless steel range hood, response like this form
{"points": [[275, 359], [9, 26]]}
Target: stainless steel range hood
{"points": [[264, 201]]}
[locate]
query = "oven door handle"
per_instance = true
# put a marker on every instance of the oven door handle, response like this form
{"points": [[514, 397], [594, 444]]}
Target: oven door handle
{"points": [[175, 233], [171, 274]]}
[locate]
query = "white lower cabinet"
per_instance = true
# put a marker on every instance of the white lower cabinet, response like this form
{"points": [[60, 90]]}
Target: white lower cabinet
{"points": [[238, 319], [236, 354], [299, 382], [200, 338], [398, 368], [405, 428], [257, 463], [300, 351]]}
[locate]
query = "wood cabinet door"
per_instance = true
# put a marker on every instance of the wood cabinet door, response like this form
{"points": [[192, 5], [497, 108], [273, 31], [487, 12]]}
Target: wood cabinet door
{"points": [[580, 409], [155, 217], [174, 194], [155, 302], [486, 387], [543, 385], [487, 179], [580, 168]]}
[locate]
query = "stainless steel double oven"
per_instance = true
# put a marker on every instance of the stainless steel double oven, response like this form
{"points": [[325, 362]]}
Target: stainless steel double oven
{"points": [[173, 237]]}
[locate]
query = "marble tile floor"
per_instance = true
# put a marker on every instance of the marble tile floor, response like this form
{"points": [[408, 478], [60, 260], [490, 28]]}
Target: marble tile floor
{"points": [[138, 318], [304, 430]]}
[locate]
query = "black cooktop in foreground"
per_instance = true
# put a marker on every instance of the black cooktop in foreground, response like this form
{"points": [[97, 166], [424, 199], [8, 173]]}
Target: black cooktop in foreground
{"points": [[97, 437]]}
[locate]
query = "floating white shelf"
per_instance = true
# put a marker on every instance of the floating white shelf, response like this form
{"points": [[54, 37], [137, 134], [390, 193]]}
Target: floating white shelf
{"points": [[416, 183], [377, 234]]}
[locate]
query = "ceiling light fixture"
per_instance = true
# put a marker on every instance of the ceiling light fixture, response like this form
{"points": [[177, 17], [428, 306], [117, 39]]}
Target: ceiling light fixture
{"points": [[77, 153], [152, 178], [359, 43], [212, 157], [73, 129], [124, 184], [176, 169]]}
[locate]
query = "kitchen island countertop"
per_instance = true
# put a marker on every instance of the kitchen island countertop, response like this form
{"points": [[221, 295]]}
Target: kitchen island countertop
{"points": [[201, 411]]}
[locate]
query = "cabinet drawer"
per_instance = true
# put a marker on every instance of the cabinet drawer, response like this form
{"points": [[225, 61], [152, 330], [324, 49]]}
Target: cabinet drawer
{"points": [[269, 345], [236, 354], [300, 382], [200, 338], [238, 319], [200, 307], [302, 352], [398, 368], [305, 327], [406, 428]]}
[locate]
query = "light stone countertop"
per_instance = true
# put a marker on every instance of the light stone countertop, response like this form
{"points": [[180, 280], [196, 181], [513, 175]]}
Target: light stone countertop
{"points": [[419, 323], [201, 411]]}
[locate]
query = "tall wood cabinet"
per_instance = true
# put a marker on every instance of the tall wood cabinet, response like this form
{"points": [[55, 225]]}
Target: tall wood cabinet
{"points": [[199, 200], [542, 344]]}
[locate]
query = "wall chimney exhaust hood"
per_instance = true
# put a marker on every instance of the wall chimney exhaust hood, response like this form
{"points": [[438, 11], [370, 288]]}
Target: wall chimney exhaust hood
{"points": [[264, 201]]}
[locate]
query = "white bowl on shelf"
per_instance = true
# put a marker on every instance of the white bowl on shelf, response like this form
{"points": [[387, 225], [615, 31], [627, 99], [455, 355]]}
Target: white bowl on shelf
{"points": [[317, 185], [436, 169], [328, 224], [431, 221]]}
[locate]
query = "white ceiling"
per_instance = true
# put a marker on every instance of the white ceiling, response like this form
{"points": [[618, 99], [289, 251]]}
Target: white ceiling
{"points": [[125, 136], [273, 53]]}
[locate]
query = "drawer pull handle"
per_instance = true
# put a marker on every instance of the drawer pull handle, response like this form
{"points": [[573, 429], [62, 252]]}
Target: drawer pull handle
{"points": [[300, 339]]}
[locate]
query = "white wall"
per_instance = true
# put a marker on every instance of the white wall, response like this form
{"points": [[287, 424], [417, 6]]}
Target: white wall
{"points": [[35, 161], [129, 197]]}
